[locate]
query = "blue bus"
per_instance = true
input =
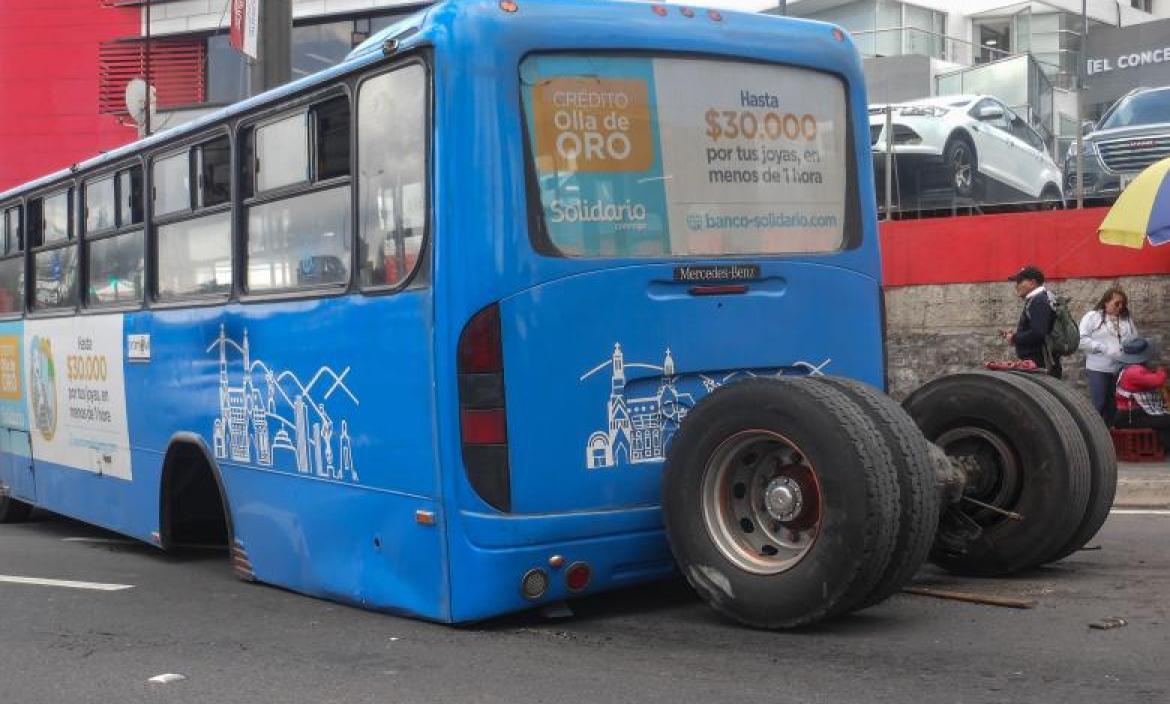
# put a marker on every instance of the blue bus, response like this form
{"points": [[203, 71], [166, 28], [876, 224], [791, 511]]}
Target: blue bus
{"points": [[522, 301]]}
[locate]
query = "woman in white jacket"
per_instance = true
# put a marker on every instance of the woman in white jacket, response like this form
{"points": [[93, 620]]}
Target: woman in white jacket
{"points": [[1103, 332]]}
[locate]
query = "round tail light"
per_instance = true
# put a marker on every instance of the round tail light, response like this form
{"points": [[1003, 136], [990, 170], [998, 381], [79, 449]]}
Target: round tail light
{"points": [[577, 576]]}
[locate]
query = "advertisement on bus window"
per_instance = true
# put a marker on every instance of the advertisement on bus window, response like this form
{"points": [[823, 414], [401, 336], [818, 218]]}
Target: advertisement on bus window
{"points": [[657, 156]]}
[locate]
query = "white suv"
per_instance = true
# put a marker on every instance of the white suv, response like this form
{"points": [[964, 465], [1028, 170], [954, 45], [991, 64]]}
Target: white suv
{"points": [[974, 144]]}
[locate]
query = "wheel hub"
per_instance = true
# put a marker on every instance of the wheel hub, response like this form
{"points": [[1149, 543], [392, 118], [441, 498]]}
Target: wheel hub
{"points": [[783, 498], [761, 501]]}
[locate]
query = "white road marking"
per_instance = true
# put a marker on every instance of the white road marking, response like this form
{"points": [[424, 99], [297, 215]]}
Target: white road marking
{"points": [[167, 678], [1141, 511], [100, 541], [36, 581]]}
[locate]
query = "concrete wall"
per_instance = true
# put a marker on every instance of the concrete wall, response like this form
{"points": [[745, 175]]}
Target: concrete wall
{"points": [[941, 329]]}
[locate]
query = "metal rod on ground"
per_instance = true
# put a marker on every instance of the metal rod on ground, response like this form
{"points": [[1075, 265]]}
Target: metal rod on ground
{"points": [[972, 598]]}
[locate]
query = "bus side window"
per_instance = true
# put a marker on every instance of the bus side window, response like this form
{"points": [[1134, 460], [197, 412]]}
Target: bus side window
{"points": [[392, 174], [213, 166], [195, 257], [115, 261], [282, 153], [331, 129], [11, 264], [194, 249], [100, 205], [55, 254], [302, 235], [130, 197], [172, 184]]}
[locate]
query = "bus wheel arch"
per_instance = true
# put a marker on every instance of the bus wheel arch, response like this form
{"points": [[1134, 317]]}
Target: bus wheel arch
{"points": [[193, 501], [13, 510]]}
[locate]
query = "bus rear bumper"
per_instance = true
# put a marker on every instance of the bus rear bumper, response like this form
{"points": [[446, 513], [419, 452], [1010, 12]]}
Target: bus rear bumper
{"points": [[620, 547], [495, 531]]}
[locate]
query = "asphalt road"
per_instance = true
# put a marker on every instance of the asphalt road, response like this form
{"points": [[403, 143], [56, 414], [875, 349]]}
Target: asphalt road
{"points": [[240, 643]]}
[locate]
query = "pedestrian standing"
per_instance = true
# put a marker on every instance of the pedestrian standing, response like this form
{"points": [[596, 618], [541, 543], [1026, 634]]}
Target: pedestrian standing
{"points": [[1104, 331], [1036, 321]]}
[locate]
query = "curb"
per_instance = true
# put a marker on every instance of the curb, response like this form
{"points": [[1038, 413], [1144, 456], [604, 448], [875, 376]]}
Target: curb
{"points": [[1143, 485]]}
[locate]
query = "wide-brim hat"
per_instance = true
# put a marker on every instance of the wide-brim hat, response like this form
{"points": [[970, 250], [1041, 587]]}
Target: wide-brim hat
{"points": [[1138, 351]]}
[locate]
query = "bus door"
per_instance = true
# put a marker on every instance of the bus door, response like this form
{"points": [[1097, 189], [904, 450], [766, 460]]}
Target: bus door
{"points": [[691, 227], [17, 465]]}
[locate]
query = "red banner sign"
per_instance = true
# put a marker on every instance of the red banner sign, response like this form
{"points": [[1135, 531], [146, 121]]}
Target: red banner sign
{"points": [[245, 26]]}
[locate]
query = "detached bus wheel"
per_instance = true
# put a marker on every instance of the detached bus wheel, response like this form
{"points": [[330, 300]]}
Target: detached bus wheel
{"points": [[917, 491], [1025, 465], [780, 502], [13, 510], [1102, 460]]}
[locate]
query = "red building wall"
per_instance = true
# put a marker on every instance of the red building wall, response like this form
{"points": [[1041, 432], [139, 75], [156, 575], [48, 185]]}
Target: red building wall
{"points": [[49, 84]]}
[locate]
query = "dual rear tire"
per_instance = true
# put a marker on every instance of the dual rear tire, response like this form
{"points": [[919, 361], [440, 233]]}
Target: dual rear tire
{"points": [[791, 500], [1028, 445]]}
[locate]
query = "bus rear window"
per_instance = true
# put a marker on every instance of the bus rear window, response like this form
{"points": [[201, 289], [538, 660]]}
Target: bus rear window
{"points": [[651, 157]]}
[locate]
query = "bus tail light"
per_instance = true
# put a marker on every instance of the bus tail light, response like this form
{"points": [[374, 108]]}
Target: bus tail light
{"points": [[484, 426], [483, 423], [577, 576]]}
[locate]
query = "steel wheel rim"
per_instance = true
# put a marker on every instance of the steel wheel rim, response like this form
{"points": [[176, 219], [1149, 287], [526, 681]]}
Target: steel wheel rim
{"points": [[962, 166], [762, 502], [991, 466]]}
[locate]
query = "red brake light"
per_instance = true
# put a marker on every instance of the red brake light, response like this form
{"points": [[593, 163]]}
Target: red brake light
{"points": [[715, 15], [686, 12], [577, 576], [480, 348], [484, 426], [660, 10]]}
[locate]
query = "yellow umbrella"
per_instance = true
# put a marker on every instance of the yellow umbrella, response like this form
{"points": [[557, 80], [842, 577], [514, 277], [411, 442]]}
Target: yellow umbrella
{"points": [[1142, 210]]}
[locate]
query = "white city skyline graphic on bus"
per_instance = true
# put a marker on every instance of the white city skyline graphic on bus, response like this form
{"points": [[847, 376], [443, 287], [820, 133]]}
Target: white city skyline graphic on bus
{"points": [[640, 429], [249, 415]]}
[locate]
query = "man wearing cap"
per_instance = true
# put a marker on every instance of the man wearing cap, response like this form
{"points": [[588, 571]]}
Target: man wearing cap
{"points": [[1140, 403], [1036, 321]]}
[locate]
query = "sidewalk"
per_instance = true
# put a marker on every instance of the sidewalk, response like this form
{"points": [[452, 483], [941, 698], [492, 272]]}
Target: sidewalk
{"points": [[1143, 485]]}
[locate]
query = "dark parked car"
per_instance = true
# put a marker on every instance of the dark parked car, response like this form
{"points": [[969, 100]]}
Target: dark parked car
{"points": [[1132, 134]]}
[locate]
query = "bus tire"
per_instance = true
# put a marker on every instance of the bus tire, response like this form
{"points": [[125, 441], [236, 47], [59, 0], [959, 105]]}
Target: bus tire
{"points": [[780, 501], [1020, 451], [1102, 460], [13, 510], [917, 492]]}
